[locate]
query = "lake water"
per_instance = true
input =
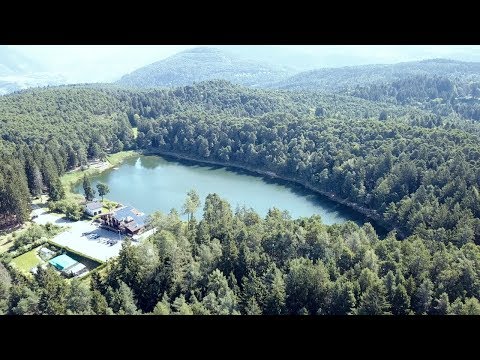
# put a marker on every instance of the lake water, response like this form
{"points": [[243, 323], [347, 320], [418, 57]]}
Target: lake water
{"points": [[151, 183]]}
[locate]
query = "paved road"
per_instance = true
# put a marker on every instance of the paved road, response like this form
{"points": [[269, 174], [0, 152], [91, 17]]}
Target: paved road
{"points": [[73, 238]]}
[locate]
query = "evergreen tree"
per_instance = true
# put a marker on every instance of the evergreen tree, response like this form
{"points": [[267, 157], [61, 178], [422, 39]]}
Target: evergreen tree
{"points": [[442, 305], [400, 301], [252, 308], [98, 303], [343, 298], [87, 188], [162, 307], [373, 301], [56, 192]]}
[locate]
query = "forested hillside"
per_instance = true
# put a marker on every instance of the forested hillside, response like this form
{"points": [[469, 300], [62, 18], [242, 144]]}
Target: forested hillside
{"points": [[237, 263], [415, 171], [204, 63], [334, 143], [443, 87], [46, 132], [442, 95], [347, 78]]}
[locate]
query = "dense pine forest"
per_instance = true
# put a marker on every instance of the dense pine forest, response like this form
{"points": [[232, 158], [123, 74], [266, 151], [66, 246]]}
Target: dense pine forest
{"points": [[238, 263], [412, 168]]}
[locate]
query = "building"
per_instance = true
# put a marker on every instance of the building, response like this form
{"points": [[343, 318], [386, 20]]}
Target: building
{"points": [[68, 266], [127, 220], [45, 253], [93, 208], [75, 270]]}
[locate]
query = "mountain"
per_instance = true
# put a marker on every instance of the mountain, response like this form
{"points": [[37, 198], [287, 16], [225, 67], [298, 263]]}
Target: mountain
{"points": [[205, 63], [344, 78], [18, 72], [13, 62]]}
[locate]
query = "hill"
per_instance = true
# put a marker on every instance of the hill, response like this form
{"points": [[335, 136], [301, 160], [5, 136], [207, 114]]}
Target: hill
{"points": [[19, 72], [335, 79], [204, 63]]}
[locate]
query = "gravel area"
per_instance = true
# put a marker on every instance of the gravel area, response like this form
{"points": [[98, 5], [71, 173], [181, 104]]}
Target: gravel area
{"points": [[76, 236]]}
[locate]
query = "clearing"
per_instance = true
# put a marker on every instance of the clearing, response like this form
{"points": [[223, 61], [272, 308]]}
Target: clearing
{"points": [[28, 260]]}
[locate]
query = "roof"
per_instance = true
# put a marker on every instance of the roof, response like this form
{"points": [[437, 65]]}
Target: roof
{"points": [[47, 251], [122, 214], [75, 268], [93, 205], [62, 262]]}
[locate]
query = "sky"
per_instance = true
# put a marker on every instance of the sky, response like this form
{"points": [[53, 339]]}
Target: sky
{"points": [[105, 63]]}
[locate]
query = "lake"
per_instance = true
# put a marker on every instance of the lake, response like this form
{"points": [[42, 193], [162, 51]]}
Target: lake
{"points": [[151, 183]]}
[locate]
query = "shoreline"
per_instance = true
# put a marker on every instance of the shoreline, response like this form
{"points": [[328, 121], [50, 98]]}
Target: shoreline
{"points": [[368, 213], [71, 178]]}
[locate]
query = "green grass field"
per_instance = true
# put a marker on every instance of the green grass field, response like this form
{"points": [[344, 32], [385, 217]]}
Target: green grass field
{"points": [[70, 179], [27, 261], [118, 158]]}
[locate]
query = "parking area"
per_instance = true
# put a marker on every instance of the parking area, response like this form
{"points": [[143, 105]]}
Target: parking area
{"points": [[83, 236]]}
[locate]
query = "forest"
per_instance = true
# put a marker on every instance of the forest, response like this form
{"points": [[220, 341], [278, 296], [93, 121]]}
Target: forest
{"points": [[234, 262], [413, 169]]}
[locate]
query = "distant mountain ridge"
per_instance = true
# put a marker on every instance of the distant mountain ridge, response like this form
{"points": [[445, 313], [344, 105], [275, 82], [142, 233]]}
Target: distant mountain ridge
{"points": [[13, 62], [205, 63], [335, 79], [19, 72]]}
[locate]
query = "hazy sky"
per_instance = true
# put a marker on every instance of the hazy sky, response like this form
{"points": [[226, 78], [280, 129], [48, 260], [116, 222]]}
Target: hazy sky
{"points": [[103, 63]]}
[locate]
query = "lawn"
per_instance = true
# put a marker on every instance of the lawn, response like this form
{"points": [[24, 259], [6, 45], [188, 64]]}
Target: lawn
{"points": [[70, 179], [118, 158], [27, 261]]}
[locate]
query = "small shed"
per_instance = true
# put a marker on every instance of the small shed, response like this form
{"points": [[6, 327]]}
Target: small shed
{"points": [[93, 208], [45, 253], [75, 270]]}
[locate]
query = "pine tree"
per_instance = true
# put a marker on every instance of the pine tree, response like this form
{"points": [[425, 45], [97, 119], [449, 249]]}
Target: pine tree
{"points": [[423, 297], [390, 285], [400, 301], [275, 299], [56, 191], [442, 306], [181, 307], [162, 307], [471, 307], [99, 304], [343, 298], [78, 298], [251, 307], [373, 301], [124, 301], [87, 188]]}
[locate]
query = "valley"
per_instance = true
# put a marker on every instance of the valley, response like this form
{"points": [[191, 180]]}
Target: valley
{"points": [[221, 186]]}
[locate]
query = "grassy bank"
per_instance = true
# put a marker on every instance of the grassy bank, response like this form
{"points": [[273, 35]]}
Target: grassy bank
{"points": [[71, 178], [118, 158]]}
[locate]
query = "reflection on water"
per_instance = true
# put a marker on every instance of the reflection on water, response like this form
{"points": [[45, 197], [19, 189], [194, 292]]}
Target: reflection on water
{"points": [[153, 183]]}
